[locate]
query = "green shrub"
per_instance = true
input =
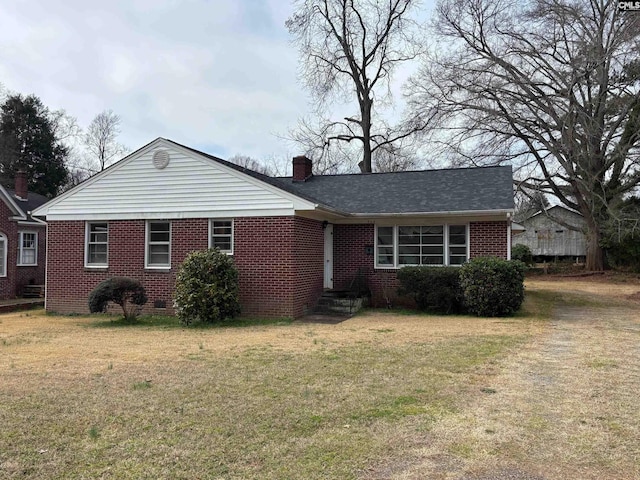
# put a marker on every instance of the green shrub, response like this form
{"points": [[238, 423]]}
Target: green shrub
{"points": [[435, 289], [207, 288], [522, 253], [492, 287], [126, 292]]}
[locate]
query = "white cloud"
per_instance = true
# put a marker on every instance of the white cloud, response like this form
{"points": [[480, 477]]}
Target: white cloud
{"points": [[200, 72]]}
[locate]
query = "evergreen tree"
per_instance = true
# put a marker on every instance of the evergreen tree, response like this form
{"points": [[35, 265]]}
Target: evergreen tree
{"points": [[28, 143]]}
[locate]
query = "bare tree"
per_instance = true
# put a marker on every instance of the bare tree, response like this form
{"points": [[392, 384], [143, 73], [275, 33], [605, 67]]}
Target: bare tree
{"points": [[250, 163], [351, 48], [101, 139], [552, 86]]}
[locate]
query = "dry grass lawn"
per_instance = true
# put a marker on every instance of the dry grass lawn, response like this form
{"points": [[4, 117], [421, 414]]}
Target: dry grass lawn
{"points": [[549, 394]]}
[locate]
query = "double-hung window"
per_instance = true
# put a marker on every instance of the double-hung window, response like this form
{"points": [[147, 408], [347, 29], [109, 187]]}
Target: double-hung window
{"points": [[398, 246], [28, 248], [97, 246], [158, 251], [221, 235]]}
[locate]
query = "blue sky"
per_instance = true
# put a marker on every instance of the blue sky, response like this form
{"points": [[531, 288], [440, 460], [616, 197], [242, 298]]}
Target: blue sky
{"points": [[215, 75]]}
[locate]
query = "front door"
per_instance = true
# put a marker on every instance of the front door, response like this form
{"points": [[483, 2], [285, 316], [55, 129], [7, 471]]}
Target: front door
{"points": [[328, 256]]}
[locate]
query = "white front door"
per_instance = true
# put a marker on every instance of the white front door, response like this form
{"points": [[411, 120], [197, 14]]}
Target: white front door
{"points": [[328, 256]]}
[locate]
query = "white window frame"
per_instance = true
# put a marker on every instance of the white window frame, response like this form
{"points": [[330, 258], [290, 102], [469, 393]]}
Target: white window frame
{"points": [[446, 253], [87, 242], [147, 245], [3, 257], [211, 234], [21, 248]]}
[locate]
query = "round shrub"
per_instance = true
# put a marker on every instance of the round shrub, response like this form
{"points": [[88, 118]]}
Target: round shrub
{"points": [[207, 288], [126, 292], [522, 253], [492, 287], [434, 289]]}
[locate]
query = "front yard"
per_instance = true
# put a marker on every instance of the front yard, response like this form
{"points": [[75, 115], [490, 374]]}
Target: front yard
{"points": [[548, 394]]}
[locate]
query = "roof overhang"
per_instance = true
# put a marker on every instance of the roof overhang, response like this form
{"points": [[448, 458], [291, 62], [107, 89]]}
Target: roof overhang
{"points": [[464, 213]]}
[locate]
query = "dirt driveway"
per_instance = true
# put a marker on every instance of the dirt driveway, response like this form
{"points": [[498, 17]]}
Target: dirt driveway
{"points": [[565, 406]]}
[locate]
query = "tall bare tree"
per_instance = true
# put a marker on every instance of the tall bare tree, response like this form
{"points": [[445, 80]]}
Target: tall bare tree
{"points": [[552, 86], [101, 139], [351, 48]]}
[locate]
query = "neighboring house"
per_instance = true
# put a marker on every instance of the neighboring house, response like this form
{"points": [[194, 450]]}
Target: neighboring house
{"points": [[290, 237], [22, 239], [549, 239]]}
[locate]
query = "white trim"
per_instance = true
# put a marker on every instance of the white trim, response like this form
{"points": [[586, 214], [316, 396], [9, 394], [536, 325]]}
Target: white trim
{"points": [[327, 274], [509, 240], [434, 214], [146, 245], [32, 223], [211, 220], [87, 236], [46, 266], [3, 260], [12, 204], [282, 212], [20, 248], [445, 244]]}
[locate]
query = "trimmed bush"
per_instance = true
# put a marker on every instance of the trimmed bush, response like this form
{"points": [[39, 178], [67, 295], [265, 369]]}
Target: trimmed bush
{"points": [[435, 289], [492, 287], [126, 292], [207, 288], [522, 253]]}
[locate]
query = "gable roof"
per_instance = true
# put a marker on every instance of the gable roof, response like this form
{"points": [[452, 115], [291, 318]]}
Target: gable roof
{"points": [[423, 191], [561, 207], [486, 190], [22, 208]]}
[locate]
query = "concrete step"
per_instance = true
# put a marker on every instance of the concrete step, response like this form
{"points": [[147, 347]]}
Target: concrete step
{"points": [[337, 306]]}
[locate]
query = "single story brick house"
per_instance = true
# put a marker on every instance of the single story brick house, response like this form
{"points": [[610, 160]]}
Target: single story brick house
{"points": [[22, 239], [290, 237]]}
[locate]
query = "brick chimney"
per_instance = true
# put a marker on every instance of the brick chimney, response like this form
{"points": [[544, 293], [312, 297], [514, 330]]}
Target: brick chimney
{"points": [[21, 185], [302, 168]]}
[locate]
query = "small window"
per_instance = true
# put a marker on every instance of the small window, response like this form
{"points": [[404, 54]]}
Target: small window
{"points": [[222, 235], [457, 244], [158, 244], [3, 255], [28, 248], [97, 247], [385, 255]]}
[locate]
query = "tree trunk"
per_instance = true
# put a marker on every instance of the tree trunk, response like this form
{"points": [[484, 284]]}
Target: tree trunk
{"points": [[365, 110], [595, 253]]}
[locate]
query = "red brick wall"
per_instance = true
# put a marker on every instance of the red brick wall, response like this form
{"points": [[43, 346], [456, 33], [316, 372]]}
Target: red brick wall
{"points": [[11, 285], [488, 239], [349, 250], [308, 264], [275, 279], [126, 258]]}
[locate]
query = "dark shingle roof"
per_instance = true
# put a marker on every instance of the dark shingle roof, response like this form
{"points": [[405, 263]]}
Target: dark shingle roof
{"points": [[33, 201], [428, 191], [425, 191]]}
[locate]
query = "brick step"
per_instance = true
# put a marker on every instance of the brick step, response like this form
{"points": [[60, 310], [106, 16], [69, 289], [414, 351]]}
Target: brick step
{"points": [[33, 291]]}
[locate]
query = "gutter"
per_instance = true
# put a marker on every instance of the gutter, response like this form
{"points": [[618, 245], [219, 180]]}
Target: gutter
{"points": [[507, 212]]}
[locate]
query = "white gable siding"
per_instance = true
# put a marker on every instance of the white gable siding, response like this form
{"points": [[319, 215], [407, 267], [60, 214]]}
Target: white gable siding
{"points": [[190, 186]]}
